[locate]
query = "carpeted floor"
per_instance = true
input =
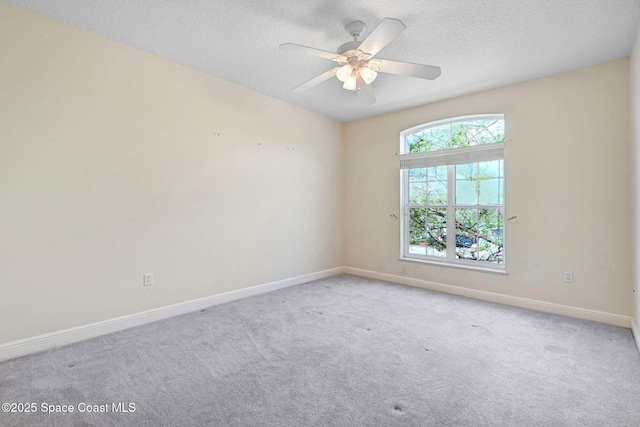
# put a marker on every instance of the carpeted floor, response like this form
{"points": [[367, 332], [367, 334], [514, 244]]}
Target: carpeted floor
{"points": [[344, 351]]}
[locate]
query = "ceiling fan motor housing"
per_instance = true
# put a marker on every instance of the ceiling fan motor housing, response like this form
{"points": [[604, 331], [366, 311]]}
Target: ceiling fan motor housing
{"points": [[346, 47]]}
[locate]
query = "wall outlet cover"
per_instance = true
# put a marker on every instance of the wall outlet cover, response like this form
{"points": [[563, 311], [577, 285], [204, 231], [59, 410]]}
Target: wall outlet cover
{"points": [[148, 279]]}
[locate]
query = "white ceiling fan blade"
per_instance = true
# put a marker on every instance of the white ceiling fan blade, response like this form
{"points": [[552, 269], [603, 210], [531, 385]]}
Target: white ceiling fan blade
{"points": [[429, 72], [316, 80], [387, 30], [365, 92], [297, 48]]}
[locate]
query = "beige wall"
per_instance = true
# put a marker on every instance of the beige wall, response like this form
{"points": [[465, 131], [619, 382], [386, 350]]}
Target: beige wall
{"points": [[635, 141], [567, 169], [114, 162]]}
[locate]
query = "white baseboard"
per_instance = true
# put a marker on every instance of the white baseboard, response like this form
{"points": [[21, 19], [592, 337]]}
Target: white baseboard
{"points": [[54, 339], [636, 333], [581, 313]]}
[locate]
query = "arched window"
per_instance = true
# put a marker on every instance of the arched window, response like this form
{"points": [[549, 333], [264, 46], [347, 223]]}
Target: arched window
{"points": [[452, 184]]}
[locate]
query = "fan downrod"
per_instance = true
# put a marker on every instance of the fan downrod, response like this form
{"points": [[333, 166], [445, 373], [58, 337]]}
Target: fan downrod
{"points": [[355, 30]]}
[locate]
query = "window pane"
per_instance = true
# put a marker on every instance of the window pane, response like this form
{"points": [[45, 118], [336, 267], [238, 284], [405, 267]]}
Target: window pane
{"points": [[467, 171], [417, 233], [417, 174], [467, 222], [437, 193], [479, 235], [418, 193], [490, 169], [466, 192], [426, 227], [417, 242], [459, 134], [436, 227], [436, 138], [414, 144], [486, 132], [466, 233], [490, 193], [490, 235], [430, 139], [437, 173]]}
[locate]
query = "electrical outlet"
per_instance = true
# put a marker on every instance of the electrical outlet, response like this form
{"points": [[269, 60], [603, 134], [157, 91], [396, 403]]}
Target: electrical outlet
{"points": [[148, 279], [568, 276]]}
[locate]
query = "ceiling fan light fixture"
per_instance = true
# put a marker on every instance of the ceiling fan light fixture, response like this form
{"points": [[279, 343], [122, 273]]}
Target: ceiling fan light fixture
{"points": [[356, 67], [344, 73], [368, 75], [350, 83]]}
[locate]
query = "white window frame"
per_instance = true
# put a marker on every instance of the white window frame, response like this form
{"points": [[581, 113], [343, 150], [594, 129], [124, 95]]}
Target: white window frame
{"points": [[449, 157]]}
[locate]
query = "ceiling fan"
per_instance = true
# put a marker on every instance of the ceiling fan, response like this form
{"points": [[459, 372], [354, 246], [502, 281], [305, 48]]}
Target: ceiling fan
{"points": [[356, 67]]}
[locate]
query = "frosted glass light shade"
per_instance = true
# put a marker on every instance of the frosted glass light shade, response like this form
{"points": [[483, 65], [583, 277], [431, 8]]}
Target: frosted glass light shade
{"points": [[344, 72], [350, 84], [368, 75]]}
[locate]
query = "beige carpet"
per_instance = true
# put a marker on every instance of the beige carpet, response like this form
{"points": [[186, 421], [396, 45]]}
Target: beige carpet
{"points": [[344, 351]]}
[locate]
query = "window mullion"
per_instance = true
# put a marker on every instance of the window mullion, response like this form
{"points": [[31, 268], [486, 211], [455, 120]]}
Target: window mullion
{"points": [[404, 215]]}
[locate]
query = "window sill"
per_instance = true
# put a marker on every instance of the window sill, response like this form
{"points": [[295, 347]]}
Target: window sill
{"points": [[500, 271]]}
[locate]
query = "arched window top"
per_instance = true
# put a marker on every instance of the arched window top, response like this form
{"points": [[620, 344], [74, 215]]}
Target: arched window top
{"points": [[458, 132]]}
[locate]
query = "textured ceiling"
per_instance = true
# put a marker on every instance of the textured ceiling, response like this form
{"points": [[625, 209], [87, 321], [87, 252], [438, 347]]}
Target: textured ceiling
{"points": [[479, 44]]}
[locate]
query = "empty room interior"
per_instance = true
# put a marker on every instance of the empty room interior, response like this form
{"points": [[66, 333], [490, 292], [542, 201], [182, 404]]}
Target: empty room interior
{"points": [[212, 214]]}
